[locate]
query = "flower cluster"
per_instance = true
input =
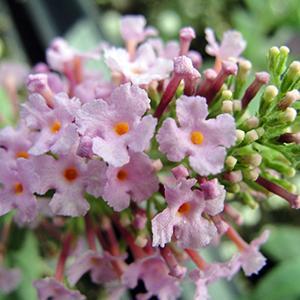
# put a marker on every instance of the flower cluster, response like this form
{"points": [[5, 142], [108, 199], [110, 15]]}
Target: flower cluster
{"points": [[151, 160]]}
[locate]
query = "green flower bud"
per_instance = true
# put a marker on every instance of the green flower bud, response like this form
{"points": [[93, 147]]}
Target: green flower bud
{"points": [[230, 162], [249, 200]]}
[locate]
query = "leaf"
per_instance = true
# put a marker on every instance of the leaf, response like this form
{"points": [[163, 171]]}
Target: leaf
{"points": [[281, 283], [5, 107], [31, 265], [283, 242]]}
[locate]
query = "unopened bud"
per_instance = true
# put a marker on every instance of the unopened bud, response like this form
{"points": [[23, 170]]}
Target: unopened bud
{"points": [[244, 69], [289, 115], [186, 35], [230, 162], [180, 172], [227, 107], [261, 78], [291, 77], [273, 56], [196, 58], [270, 93], [290, 138], [260, 131], [234, 176], [237, 105], [251, 136], [240, 135], [251, 174], [254, 159], [252, 122], [289, 99], [234, 188]]}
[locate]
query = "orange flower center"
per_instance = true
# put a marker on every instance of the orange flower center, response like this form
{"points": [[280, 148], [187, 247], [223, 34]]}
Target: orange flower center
{"points": [[122, 175], [197, 137], [184, 209], [18, 188], [70, 174], [121, 128], [55, 127], [22, 154]]}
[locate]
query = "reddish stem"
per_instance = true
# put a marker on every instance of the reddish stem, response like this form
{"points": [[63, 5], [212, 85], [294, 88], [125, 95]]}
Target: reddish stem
{"points": [[66, 247], [236, 238], [90, 232], [175, 269], [272, 187], [196, 258], [167, 95], [136, 251]]}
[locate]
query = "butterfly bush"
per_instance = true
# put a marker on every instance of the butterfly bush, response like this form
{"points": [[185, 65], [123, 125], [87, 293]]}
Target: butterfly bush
{"points": [[134, 176]]}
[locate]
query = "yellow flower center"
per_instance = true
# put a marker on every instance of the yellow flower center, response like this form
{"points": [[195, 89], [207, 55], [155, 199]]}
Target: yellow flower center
{"points": [[55, 127], [70, 174], [197, 137], [184, 209], [121, 128], [122, 175], [22, 154], [18, 188]]}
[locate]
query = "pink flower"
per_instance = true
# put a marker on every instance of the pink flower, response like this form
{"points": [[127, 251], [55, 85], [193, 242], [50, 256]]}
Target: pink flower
{"points": [[183, 217], [164, 286], [210, 274], [116, 125], [53, 127], [9, 279], [232, 44], [60, 55], [203, 141], [15, 143], [250, 259], [98, 265], [145, 68], [170, 50], [133, 28], [12, 74], [17, 191], [71, 177], [136, 180], [93, 88], [214, 195], [50, 288]]}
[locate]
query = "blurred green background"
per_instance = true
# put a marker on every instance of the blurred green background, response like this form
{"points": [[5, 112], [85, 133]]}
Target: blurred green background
{"points": [[27, 27]]}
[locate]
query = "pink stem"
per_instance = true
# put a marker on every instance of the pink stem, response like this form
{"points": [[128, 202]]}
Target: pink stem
{"points": [[90, 232], [293, 199], [236, 238], [66, 247], [167, 95], [196, 258]]}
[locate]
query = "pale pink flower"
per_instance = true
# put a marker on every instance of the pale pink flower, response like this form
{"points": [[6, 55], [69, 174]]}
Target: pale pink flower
{"points": [[50, 288], [100, 266], [117, 125], [231, 47], [164, 286], [183, 217], [134, 181], [133, 28], [203, 141], [143, 69]]}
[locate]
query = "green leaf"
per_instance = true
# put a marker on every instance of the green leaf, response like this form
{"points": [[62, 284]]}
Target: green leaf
{"points": [[281, 283], [283, 242], [5, 107], [31, 265]]}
